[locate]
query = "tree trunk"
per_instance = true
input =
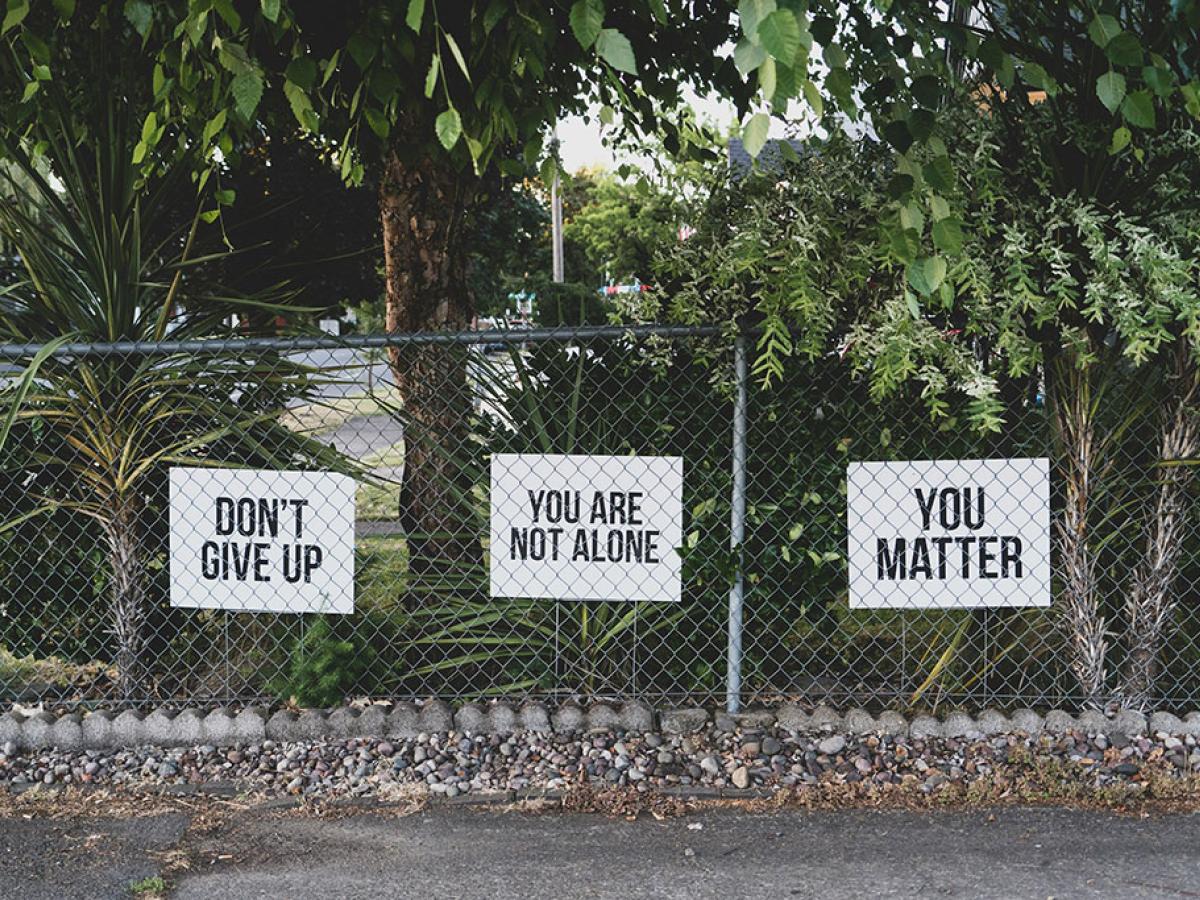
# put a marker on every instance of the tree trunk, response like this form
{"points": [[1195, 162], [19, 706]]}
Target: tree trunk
{"points": [[1151, 600], [423, 205], [1069, 397], [127, 563]]}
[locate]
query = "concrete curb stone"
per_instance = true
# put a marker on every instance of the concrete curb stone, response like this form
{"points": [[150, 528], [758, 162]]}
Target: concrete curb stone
{"points": [[405, 720]]}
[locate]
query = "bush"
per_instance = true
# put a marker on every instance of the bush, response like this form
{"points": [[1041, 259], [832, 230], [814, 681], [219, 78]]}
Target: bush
{"points": [[324, 667]]}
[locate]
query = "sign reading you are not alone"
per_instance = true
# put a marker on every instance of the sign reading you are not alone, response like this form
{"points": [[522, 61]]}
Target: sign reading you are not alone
{"points": [[572, 527], [949, 533]]}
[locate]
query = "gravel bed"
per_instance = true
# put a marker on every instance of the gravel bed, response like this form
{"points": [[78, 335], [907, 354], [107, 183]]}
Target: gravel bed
{"points": [[456, 763]]}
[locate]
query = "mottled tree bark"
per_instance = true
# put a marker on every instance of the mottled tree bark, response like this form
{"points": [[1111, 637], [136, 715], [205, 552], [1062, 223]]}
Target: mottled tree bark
{"points": [[1151, 600], [423, 205], [127, 564], [1069, 397]]}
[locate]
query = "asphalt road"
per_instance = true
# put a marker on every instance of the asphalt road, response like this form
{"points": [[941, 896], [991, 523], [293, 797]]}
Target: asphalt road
{"points": [[480, 852]]}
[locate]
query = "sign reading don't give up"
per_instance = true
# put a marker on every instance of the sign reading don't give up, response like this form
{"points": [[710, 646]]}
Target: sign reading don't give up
{"points": [[262, 541], [573, 527]]}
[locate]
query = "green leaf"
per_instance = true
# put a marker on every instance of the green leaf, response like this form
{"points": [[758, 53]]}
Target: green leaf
{"points": [[947, 235], [139, 151], [149, 125], [65, 9], [457, 54], [31, 88], [378, 122], [1191, 97], [939, 173], [301, 105], [1110, 88], [614, 48], [754, 135], [938, 207], [911, 218], [1103, 29], [138, 13], [247, 90], [748, 56], [587, 18], [15, 14], [209, 216], [779, 33], [1120, 140], [1138, 109], [431, 76], [302, 71], [225, 196], [766, 78], [927, 91], [270, 10], [1124, 50], [1161, 81], [607, 115], [415, 14], [752, 12], [659, 8], [1037, 77], [914, 306], [925, 274], [449, 128], [813, 95], [362, 49]]}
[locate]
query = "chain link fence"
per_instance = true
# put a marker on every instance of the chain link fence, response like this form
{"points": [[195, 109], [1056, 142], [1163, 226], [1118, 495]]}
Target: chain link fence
{"points": [[763, 615]]}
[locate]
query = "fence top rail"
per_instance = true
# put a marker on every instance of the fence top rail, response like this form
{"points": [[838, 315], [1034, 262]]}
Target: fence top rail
{"points": [[509, 336]]}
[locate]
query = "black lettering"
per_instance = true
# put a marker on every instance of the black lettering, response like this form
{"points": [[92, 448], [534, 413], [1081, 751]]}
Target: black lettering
{"points": [[1010, 555], [599, 512], [241, 559], [518, 547], [964, 545], [224, 515], [261, 562], [920, 559], [210, 560], [616, 508], [291, 573], [926, 507], [268, 517], [580, 550], [555, 534], [889, 565], [537, 542], [245, 517], [312, 560], [652, 546], [986, 557], [299, 505], [941, 543], [978, 522], [535, 501], [944, 510], [635, 508]]}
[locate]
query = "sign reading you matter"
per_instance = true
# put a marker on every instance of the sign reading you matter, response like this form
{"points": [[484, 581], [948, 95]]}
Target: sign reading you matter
{"points": [[262, 541], [949, 533], [586, 527]]}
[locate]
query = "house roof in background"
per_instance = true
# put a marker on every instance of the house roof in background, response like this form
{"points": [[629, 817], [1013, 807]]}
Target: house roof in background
{"points": [[770, 159]]}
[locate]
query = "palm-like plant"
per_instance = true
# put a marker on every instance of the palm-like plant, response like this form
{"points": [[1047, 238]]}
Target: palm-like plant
{"points": [[94, 432]]}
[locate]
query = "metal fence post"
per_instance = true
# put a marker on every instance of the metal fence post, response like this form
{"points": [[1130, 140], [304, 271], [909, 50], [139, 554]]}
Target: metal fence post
{"points": [[737, 529]]}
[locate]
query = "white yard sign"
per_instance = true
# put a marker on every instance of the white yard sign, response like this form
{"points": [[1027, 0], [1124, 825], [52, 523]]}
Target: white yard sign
{"points": [[262, 541], [586, 527], [949, 534]]}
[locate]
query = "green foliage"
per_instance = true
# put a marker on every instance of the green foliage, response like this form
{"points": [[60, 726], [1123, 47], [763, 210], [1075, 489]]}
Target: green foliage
{"points": [[323, 667]]}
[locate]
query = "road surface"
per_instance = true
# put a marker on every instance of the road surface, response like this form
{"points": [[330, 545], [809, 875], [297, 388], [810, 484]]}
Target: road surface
{"points": [[721, 853]]}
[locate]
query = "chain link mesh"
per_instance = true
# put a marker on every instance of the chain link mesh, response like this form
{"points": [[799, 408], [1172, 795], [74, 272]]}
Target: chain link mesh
{"points": [[84, 577]]}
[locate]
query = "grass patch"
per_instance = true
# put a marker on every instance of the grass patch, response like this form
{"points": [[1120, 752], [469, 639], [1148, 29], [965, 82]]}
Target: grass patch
{"points": [[148, 886], [382, 572]]}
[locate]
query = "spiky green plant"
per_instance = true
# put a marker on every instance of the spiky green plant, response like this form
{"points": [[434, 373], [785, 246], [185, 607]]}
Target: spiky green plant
{"points": [[99, 260]]}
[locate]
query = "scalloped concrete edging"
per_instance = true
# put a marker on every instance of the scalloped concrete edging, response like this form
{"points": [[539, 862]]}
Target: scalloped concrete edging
{"points": [[405, 720]]}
